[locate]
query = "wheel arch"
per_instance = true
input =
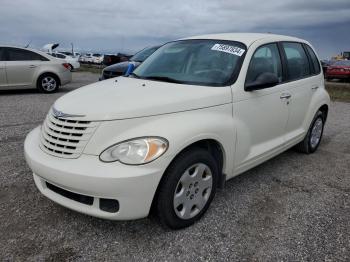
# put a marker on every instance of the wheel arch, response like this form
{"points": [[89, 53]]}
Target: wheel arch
{"points": [[48, 73], [319, 102], [210, 144], [324, 110]]}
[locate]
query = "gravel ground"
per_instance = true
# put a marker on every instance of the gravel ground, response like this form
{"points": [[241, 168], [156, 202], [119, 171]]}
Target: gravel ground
{"points": [[294, 207]]}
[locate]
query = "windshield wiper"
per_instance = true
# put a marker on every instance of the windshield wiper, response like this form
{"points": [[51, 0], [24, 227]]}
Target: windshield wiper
{"points": [[163, 78]]}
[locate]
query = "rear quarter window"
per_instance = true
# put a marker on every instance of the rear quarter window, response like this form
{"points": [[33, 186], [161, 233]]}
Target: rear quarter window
{"points": [[315, 62]]}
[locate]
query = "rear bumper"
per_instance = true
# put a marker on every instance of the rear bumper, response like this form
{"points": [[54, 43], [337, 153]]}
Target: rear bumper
{"points": [[76, 65], [132, 186], [65, 77]]}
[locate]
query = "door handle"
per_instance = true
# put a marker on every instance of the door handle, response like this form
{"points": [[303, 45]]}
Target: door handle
{"points": [[285, 96], [32, 66], [314, 88]]}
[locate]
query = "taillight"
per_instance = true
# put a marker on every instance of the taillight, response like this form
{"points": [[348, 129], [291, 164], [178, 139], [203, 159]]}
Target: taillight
{"points": [[66, 65]]}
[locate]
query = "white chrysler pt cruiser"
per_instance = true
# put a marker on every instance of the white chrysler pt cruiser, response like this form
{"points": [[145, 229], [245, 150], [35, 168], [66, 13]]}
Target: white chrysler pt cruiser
{"points": [[196, 113]]}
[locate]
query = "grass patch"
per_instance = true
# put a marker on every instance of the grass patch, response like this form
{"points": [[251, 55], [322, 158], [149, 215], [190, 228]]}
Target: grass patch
{"points": [[339, 91], [96, 69]]}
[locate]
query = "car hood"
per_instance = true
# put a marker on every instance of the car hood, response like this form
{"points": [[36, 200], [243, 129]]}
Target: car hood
{"points": [[120, 67], [123, 97]]}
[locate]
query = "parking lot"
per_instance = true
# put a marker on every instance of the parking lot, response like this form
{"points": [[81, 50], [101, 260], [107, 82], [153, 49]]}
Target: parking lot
{"points": [[294, 207]]}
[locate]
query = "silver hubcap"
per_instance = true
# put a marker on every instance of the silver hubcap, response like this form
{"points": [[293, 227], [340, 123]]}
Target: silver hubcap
{"points": [[193, 191], [48, 83], [316, 132]]}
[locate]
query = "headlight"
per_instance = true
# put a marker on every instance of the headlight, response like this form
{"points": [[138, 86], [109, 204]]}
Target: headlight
{"points": [[136, 151]]}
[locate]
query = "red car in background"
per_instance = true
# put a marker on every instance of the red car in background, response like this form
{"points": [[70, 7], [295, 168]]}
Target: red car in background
{"points": [[339, 70]]}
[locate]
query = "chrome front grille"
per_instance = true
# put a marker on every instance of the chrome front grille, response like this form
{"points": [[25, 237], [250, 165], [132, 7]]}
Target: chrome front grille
{"points": [[65, 138]]}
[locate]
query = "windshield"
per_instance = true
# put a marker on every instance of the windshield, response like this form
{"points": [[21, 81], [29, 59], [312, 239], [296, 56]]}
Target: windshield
{"points": [[197, 62], [143, 54]]}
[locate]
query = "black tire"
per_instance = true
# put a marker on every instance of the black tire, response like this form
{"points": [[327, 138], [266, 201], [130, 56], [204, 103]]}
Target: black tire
{"points": [[306, 146], [164, 207], [70, 67], [45, 89]]}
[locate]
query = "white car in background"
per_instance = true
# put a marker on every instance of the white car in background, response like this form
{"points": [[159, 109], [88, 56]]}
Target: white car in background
{"points": [[27, 68], [72, 61], [85, 58], [74, 54], [93, 58], [194, 114], [97, 58]]}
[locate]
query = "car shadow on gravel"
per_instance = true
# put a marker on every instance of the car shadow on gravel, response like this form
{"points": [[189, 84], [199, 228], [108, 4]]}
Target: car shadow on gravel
{"points": [[18, 92], [33, 91]]}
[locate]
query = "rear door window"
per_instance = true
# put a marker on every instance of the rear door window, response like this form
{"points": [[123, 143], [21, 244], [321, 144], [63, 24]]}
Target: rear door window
{"points": [[297, 62], [315, 62], [17, 54]]}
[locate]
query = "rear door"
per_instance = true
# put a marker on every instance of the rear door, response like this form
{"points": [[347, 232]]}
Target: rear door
{"points": [[3, 81], [302, 81], [21, 66]]}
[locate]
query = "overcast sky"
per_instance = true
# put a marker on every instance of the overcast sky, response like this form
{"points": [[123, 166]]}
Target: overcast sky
{"points": [[112, 25]]}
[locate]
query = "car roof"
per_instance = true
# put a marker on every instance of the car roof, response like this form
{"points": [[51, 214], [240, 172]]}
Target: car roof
{"points": [[247, 38]]}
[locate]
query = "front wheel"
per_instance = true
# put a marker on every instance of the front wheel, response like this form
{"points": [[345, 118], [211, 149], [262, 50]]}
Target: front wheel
{"points": [[314, 135], [187, 188]]}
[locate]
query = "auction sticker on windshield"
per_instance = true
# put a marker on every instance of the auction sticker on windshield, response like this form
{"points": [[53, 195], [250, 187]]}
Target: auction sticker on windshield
{"points": [[234, 50]]}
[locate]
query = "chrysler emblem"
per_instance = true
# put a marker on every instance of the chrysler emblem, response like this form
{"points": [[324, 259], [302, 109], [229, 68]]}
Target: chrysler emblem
{"points": [[60, 114]]}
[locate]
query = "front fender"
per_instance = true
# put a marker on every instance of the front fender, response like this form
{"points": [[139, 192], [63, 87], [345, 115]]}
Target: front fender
{"points": [[180, 129]]}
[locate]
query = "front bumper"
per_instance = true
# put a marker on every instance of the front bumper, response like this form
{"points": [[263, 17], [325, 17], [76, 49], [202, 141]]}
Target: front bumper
{"points": [[132, 186]]}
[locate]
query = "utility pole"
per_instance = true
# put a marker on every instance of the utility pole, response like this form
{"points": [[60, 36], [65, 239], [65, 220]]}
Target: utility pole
{"points": [[72, 49]]}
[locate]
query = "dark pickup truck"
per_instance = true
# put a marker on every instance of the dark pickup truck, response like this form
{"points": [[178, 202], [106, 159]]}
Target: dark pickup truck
{"points": [[120, 68], [113, 59]]}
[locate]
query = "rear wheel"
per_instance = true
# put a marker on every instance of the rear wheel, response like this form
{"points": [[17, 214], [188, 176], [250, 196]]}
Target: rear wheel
{"points": [[48, 83], [314, 135], [70, 67], [187, 189]]}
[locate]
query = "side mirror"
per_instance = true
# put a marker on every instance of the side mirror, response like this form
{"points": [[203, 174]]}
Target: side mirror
{"points": [[264, 80]]}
